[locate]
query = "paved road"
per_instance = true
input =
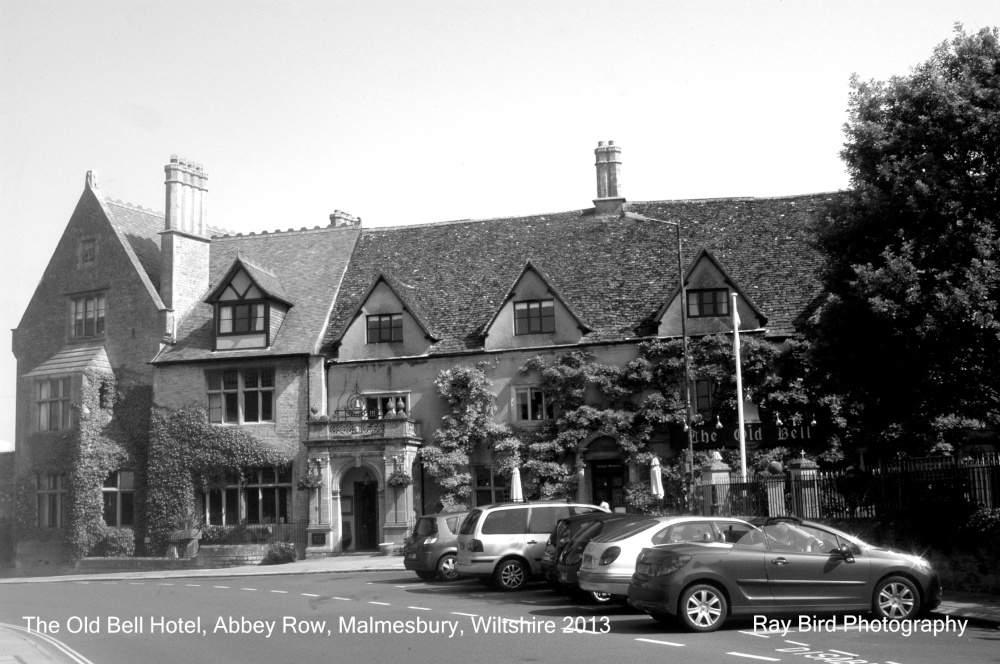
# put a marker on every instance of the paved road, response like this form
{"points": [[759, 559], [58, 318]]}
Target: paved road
{"points": [[352, 617]]}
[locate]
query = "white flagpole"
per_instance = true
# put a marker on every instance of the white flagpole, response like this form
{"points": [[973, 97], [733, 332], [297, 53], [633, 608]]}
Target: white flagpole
{"points": [[739, 390]]}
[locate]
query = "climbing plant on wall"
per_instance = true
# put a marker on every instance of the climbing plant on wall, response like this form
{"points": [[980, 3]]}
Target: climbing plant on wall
{"points": [[187, 453], [470, 424]]}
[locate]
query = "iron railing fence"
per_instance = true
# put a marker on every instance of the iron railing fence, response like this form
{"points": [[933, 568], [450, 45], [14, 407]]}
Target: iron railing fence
{"points": [[255, 533], [857, 493]]}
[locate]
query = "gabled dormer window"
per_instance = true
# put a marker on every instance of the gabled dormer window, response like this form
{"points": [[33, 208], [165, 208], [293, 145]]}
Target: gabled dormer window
{"points": [[709, 302], [385, 328], [242, 308]]}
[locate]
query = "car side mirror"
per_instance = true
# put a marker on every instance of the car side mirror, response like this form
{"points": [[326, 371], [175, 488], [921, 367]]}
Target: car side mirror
{"points": [[845, 552]]}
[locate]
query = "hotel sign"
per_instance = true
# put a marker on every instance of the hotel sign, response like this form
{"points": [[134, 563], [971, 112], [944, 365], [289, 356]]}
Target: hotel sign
{"points": [[755, 434]]}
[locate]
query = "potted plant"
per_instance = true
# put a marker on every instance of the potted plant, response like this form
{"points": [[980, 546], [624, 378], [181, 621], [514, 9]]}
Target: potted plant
{"points": [[183, 539], [311, 480], [399, 479]]}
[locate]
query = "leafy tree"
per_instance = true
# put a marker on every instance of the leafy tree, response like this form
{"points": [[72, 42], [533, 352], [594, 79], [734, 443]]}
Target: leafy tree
{"points": [[909, 334]]}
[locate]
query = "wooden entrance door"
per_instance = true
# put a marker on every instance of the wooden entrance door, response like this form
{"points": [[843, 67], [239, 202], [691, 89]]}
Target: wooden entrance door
{"points": [[366, 514]]}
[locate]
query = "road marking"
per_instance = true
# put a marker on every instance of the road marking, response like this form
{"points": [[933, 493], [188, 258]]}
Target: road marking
{"points": [[344, 599], [223, 587], [418, 608], [281, 592], [136, 583], [766, 659], [662, 643], [248, 589], [164, 584], [65, 649], [841, 652], [763, 636], [470, 615], [82, 582], [796, 643], [381, 603], [309, 595], [193, 585]]}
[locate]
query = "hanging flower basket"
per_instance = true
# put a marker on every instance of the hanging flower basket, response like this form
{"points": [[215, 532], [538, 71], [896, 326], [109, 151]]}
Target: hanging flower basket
{"points": [[399, 479], [310, 481]]}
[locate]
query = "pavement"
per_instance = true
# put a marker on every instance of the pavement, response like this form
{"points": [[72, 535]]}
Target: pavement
{"points": [[18, 645]]}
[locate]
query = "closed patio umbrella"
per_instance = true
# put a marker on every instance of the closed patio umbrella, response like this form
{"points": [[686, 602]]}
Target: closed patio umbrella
{"points": [[516, 493], [655, 479]]}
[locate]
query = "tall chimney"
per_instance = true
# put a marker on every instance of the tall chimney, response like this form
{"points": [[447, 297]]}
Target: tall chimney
{"points": [[184, 249], [341, 218], [609, 165]]}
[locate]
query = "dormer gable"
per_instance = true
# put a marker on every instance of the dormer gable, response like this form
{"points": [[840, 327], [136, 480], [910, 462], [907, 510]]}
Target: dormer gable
{"points": [[249, 306], [709, 290], [388, 322], [533, 313]]}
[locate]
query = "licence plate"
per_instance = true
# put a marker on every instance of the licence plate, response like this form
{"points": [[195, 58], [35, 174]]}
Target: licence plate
{"points": [[588, 561], [411, 556], [643, 568]]}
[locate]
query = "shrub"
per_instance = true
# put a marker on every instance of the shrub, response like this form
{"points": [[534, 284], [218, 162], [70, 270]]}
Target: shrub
{"points": [[982, 529], [279, 554], [115, 543]]}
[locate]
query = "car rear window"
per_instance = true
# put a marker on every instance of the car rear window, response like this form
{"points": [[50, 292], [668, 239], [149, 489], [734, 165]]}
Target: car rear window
{"points": [[454, 522], [505, 522], [543, 519], [424, 527], [620, 530], [469, 525]]}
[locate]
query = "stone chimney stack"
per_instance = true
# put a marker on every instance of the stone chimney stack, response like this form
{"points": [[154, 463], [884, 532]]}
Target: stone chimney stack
{"points": [[609, 166], [186, 196], [341, 218], [184, 249]]}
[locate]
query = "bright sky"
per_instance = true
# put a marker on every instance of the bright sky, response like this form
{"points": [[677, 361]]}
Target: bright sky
{"points": [[417, 111]]}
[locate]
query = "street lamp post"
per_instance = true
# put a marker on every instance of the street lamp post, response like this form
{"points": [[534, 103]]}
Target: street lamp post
{"points": [[684, 336]]}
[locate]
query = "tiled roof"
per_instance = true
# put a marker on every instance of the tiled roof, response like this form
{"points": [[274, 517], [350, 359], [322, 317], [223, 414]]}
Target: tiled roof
{"points": [[71, 359], [309, 265], [140, 228], [614, 272]]}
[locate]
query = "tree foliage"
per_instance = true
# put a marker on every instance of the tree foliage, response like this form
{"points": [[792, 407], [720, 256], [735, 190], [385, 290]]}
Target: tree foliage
{"points": [[909, 334]]}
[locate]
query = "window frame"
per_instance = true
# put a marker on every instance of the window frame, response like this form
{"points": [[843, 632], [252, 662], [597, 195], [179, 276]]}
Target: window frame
{"points": [[252, 318], [540, 318], [377, 405], [50, 500], [708, 398], [228, 401], [379, 329], [44, 404], [250, 493], [123, 499], [499, 491], [80, 317], [700, 299], [547, 408]]}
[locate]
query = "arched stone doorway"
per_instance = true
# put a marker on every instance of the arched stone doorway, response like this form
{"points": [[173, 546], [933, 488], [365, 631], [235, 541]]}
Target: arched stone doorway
{"points": [[359, 510], [608, 475]]}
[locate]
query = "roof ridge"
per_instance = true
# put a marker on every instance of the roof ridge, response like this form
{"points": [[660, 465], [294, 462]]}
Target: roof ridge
{"points": [[133, 206], [477, 220], [738, 198], [229, 235]]}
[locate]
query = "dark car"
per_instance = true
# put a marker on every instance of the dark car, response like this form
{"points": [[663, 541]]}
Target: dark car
{"points": [[431, 549], [784, 566], [571, 555], [565, 531]]}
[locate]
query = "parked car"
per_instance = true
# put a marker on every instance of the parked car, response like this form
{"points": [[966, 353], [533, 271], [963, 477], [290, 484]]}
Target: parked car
{"points": [[431, 548], [566, 530], [503, 543], [609, 560], [571, 556], [785, 566]]}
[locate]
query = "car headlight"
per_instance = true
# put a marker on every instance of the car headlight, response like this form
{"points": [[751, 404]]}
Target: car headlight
{"points": [[917, 561], [671, 566]]}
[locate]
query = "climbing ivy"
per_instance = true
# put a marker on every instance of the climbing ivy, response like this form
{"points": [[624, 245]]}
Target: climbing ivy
{"points": [[470, 425], [187, 453]]}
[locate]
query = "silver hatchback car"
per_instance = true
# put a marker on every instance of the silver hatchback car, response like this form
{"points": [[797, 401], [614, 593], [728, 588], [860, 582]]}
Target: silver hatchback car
{"points": [[504, 542]]}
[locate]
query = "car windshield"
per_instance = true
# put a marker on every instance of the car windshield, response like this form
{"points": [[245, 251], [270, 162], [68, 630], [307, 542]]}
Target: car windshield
{"points": [[619, 530], [424, 527]]}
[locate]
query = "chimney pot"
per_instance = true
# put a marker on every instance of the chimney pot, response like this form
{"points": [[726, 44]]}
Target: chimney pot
{"points": [[609, 196]]}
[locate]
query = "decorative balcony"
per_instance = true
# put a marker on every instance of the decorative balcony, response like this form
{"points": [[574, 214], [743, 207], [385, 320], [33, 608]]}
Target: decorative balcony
{"points": [[322, 429]]}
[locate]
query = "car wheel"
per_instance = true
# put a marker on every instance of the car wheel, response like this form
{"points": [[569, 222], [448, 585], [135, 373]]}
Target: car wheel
{"points": [[599, 598], [510, 574], [703, 608], [896, 598], [446, 567], [427, 576]]}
